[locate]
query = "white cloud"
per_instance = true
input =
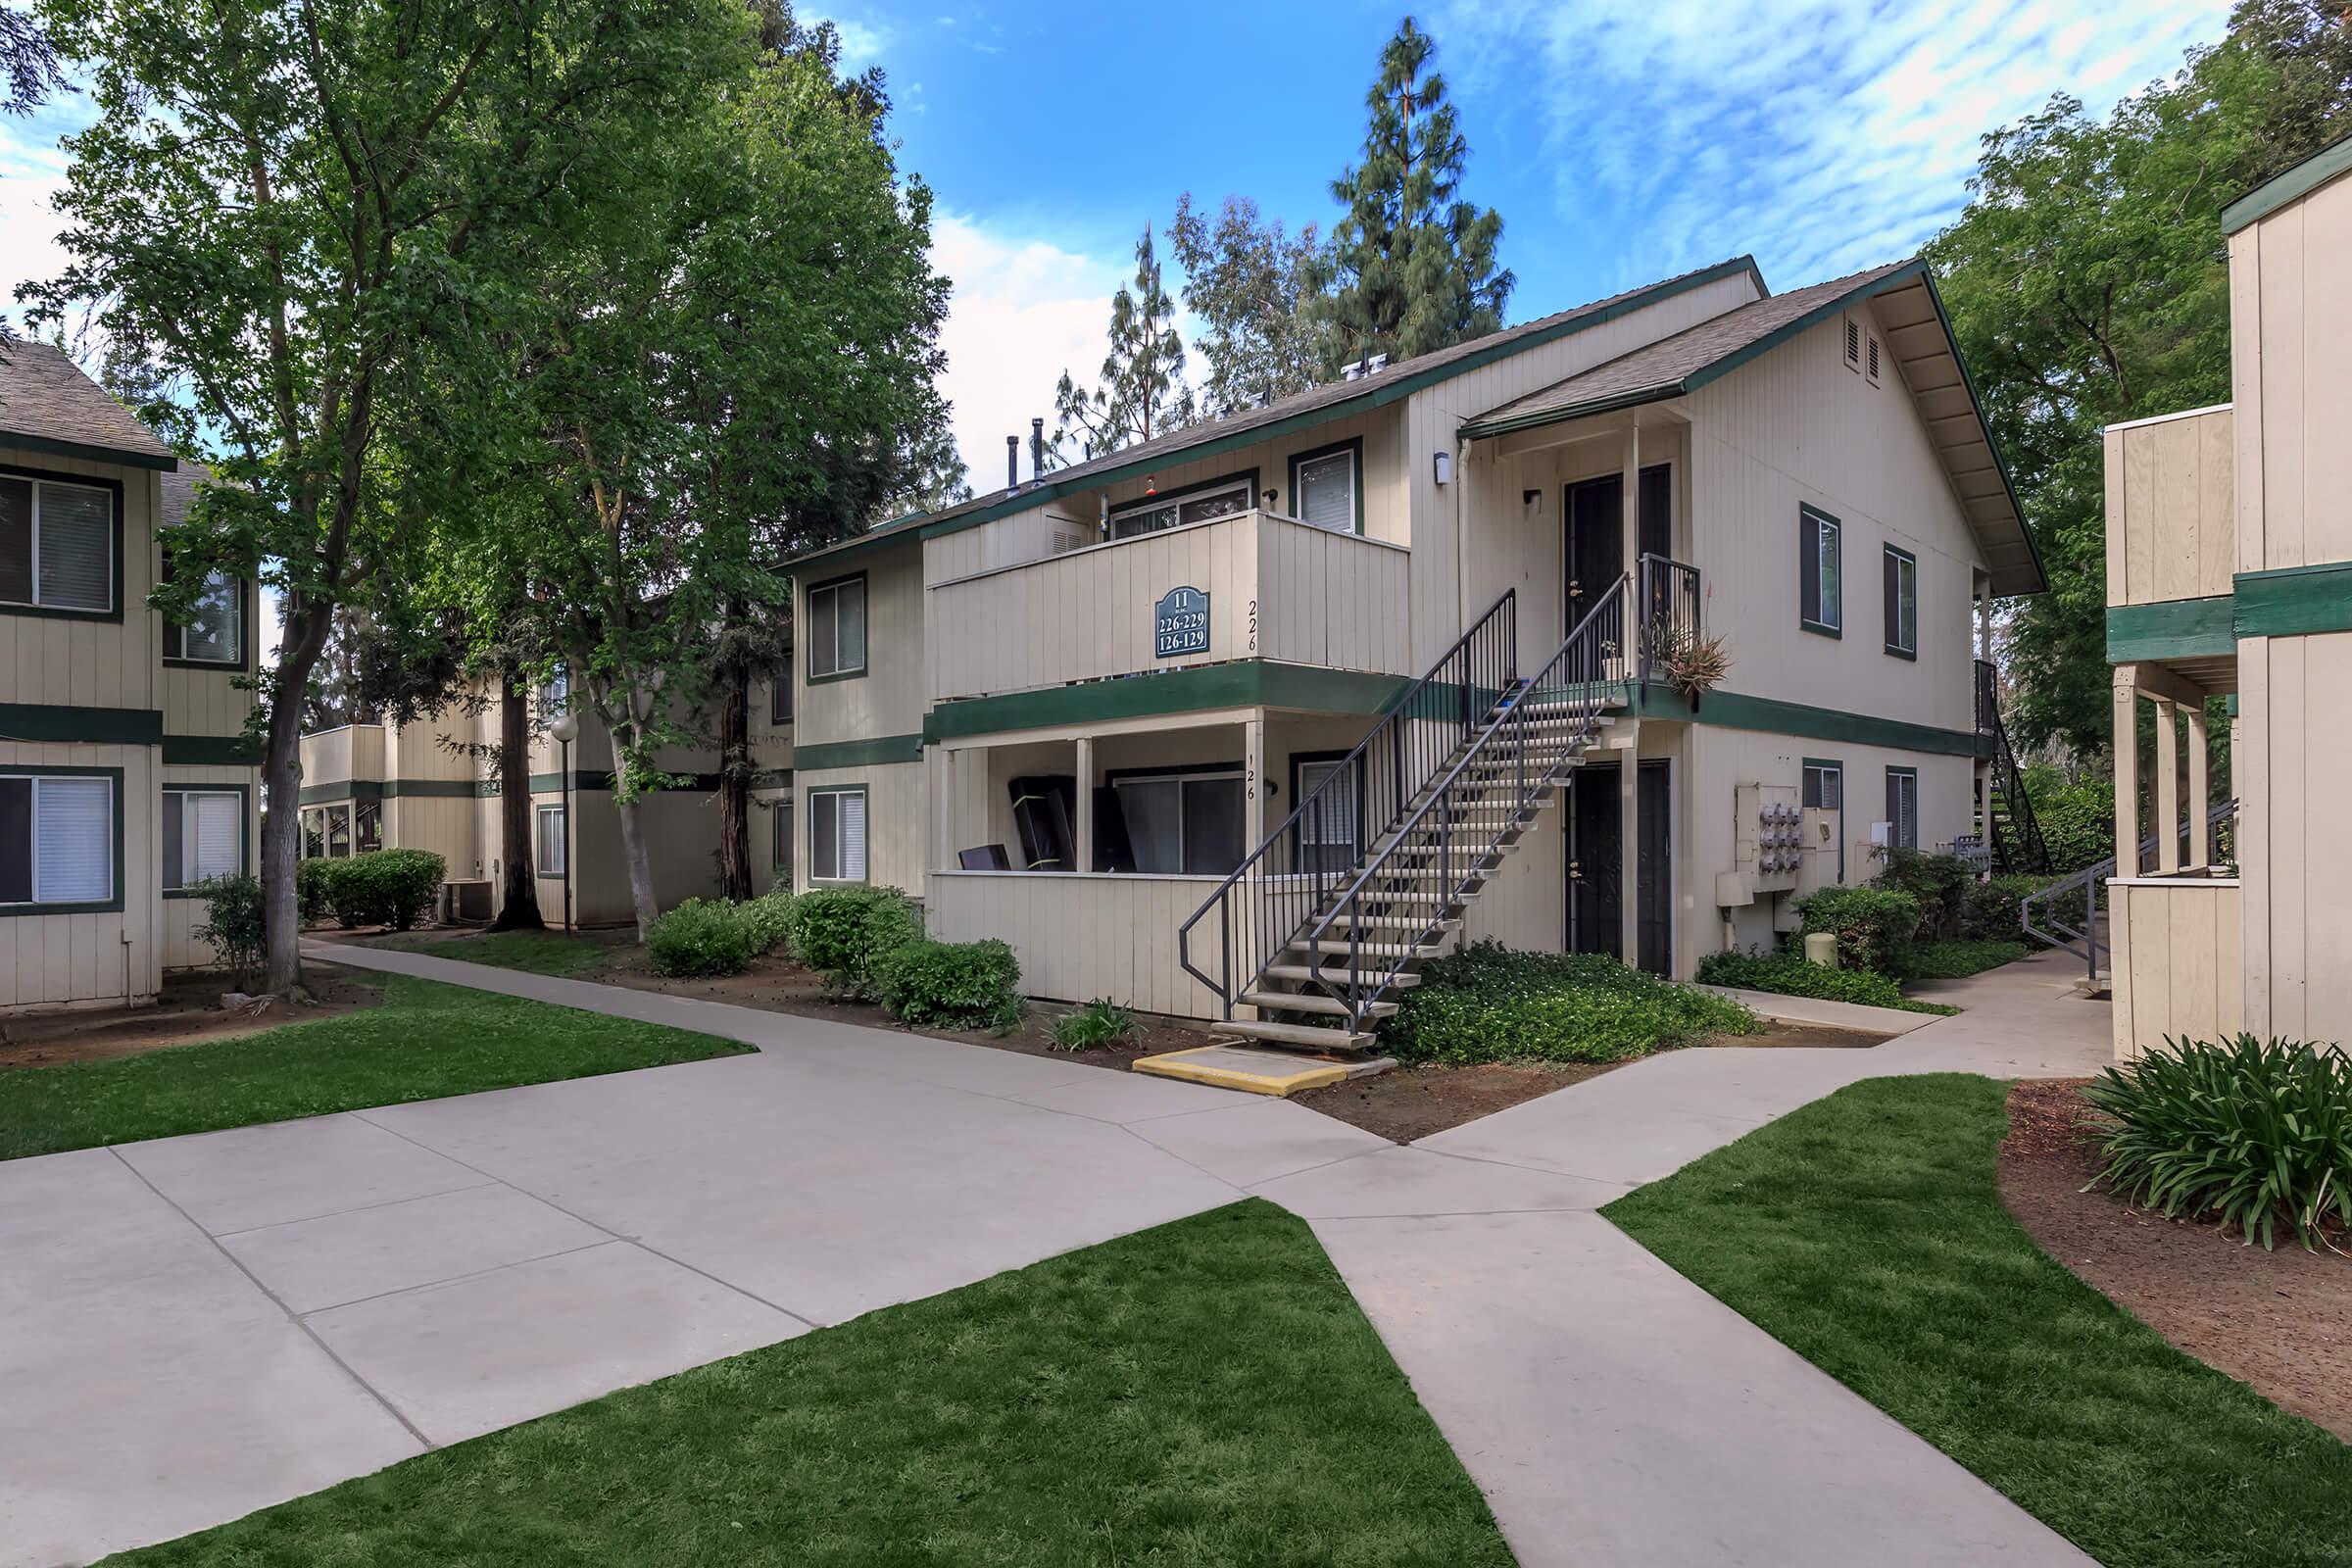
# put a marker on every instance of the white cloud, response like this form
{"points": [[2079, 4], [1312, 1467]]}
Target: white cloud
{"points": [[863, 39], [1822, 135], [32, 169]]}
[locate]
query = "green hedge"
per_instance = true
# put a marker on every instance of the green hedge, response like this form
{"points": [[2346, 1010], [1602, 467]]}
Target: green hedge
{"points": [[950, 984], [1875, 927], [1787, 974], [1489, 1002], [1961, 957], [391, 888], [842, 931], [700, 937], [312, 903], [2077, 821]]}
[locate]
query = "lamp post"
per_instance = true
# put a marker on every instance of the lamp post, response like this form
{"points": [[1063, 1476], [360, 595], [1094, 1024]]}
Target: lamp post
{"points": [[566, 727]]}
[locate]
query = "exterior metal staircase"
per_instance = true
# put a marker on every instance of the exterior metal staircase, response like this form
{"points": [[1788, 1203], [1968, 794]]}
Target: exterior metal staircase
{"points": [[1319, 928], [2071, 913], [2017, 842]]}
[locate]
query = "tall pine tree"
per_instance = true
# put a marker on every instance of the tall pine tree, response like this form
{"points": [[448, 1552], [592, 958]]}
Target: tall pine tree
{"points": [[1412, 266], [1141, 392]]}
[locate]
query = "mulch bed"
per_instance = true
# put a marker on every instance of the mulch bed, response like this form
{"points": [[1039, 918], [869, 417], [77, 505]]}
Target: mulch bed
{"points": [[2279, 1321], [188, 1013], [1405, 1104]]}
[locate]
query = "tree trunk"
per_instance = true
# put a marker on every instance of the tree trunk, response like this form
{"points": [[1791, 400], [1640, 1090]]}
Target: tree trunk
{"points": [[641, 876], [521, 910], [304, 635], [735, 784]]}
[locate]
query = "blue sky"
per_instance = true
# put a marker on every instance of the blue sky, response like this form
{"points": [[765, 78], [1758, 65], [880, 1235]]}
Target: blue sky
{"points": [[1622, 140]]}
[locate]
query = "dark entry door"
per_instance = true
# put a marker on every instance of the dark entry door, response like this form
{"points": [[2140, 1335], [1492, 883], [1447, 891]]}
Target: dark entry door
{"points": [[1595, 860], [1595, 523]]}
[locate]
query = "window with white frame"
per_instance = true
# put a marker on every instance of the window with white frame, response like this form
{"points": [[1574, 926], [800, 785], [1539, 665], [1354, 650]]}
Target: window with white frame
{"points": [[1223, 498], [836, 631], [1820, 593], [552, 846], [56, 838], [204, 835], [215, 630], [556, 698], [1326, 488], [1901, 574], [837, 835], [1903, 808], [1329, 822], [57, 545], [1184, 824]]}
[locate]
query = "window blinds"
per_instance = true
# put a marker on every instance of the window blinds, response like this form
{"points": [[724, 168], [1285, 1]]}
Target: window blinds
{"points": [[77, 548], [73, 840]]}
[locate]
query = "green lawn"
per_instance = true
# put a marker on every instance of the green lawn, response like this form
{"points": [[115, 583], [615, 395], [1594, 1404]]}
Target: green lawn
{"points": [[1865, 1232], [427, 1041], [1958, 960], [1207, 1393], [534, 952]]}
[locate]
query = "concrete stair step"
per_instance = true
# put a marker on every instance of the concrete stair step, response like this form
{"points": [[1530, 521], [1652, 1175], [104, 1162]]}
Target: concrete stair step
{"points": [[1299, 974], [1309, 1002]]}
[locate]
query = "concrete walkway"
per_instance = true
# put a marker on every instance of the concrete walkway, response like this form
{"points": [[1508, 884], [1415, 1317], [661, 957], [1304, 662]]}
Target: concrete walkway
{"points": [[201, 1326]]}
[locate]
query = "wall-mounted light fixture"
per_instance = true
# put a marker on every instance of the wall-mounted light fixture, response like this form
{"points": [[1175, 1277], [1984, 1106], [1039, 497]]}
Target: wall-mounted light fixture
{"points": [[1445, 468], [1531, 502], [1272, 496]]}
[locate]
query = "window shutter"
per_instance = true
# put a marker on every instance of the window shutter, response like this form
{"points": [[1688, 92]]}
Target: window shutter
{"points": [[73, 840], [214, 831], [824, 843], [16, 541], [853, 837], [1854, 343], [78, 548], [1873, 367]]}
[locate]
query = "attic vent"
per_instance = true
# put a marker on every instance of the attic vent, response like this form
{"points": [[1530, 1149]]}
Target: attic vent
{"points": [[1873, 369], [1066, 539], [1853, 344]]}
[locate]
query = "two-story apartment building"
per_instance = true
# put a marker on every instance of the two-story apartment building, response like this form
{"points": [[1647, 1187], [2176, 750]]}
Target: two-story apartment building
{"points": [[1291, 691], [429, 784], [2229, 574], [126, 777]]}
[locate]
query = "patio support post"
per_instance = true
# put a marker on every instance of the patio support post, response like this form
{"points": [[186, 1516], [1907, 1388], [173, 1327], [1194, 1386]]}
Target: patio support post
{"points": [[2168, 787], [1629, 851], [2127, 772], [2200, 831], [1254, 774], [1085, 827], [1637, 610]]}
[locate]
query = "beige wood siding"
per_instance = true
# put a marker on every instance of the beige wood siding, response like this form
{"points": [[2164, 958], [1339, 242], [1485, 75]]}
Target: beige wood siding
{"points": [[91, 663], [102, 957], [890, 698], [177, 918], [1081, 937], [2177, 957], [897, 828], [2294, 855], [2291, 318], [2172, 508], [1278, 588]]}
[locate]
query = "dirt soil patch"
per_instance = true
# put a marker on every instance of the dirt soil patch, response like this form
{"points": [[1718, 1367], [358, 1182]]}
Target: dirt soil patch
{"points": [[2279, 1321], [188, 1013], [1405, 1104], [1775, 1033]]}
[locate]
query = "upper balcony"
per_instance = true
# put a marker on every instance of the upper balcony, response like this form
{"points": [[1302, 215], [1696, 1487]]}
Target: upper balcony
{"points": [[1249, 585], [341, 756], [2172, 508]]}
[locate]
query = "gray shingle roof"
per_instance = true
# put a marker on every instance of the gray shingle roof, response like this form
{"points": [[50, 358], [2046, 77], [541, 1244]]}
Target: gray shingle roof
{"points": [[48, 405]]}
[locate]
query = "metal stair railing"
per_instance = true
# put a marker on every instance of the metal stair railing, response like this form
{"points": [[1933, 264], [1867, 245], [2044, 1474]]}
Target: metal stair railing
{"points": [[1463, 818], [2050, 915], [1314, 854], [2017, 840]]}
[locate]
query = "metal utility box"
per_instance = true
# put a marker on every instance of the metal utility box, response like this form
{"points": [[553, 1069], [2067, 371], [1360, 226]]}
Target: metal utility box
{"points": [[1769, 835], [1820, 832]]}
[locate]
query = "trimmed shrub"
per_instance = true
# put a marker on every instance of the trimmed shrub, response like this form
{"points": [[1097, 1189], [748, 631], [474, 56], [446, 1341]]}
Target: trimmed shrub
{"points": [[842, 931], [1787, 974], [1990, 911], [2077, 821], [1489, 1002], [313, 902], [234, 926], [1941, 884], [700, 937], [768, 918], [390, 887], [1874, 926], [950, 984], [2247, 1133], [1100, 1025], [1959, 958]]}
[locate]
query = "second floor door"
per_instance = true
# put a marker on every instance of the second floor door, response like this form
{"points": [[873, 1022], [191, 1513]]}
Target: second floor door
{"points": [[1595, 551]]}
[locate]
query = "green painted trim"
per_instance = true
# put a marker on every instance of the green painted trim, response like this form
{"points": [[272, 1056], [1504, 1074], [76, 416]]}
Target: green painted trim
{"points": [[81, 481], [113, 905], [1354, 444], [349, 789], [582, 779], [212, 751], [2291, 185], [50, 447], [812, 677], [2293, 601], [879, 749], [244, 791], [1246, 683], [2177, 628], [862, 792], [1378, 392], [1892, 609], [1773, 716], [89, 727]]}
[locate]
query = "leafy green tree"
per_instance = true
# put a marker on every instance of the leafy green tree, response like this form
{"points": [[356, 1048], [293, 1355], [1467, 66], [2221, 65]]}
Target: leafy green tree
{"points": [[291, 209], [28, 68], [2088, 281], [1412, 265], [1248, 282], [1140, 391]]}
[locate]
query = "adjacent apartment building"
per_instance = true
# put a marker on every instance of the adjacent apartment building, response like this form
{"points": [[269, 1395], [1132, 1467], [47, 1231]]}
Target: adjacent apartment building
{"points": [[2229, 574], [1241, 722], [126, 777]]}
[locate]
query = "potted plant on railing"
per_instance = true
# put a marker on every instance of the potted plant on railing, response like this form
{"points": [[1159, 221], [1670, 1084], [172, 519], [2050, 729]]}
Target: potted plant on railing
{"points": [[1612, 662], [1694, 663]]}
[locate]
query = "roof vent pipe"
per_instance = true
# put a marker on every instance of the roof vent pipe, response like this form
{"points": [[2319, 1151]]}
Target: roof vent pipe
{"points": [[1377, 363], [1013, 462], [1037, 451]]}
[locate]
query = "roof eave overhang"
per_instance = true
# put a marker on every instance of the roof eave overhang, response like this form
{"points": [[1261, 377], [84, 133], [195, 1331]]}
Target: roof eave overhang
{"points": [[88, 452]]}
